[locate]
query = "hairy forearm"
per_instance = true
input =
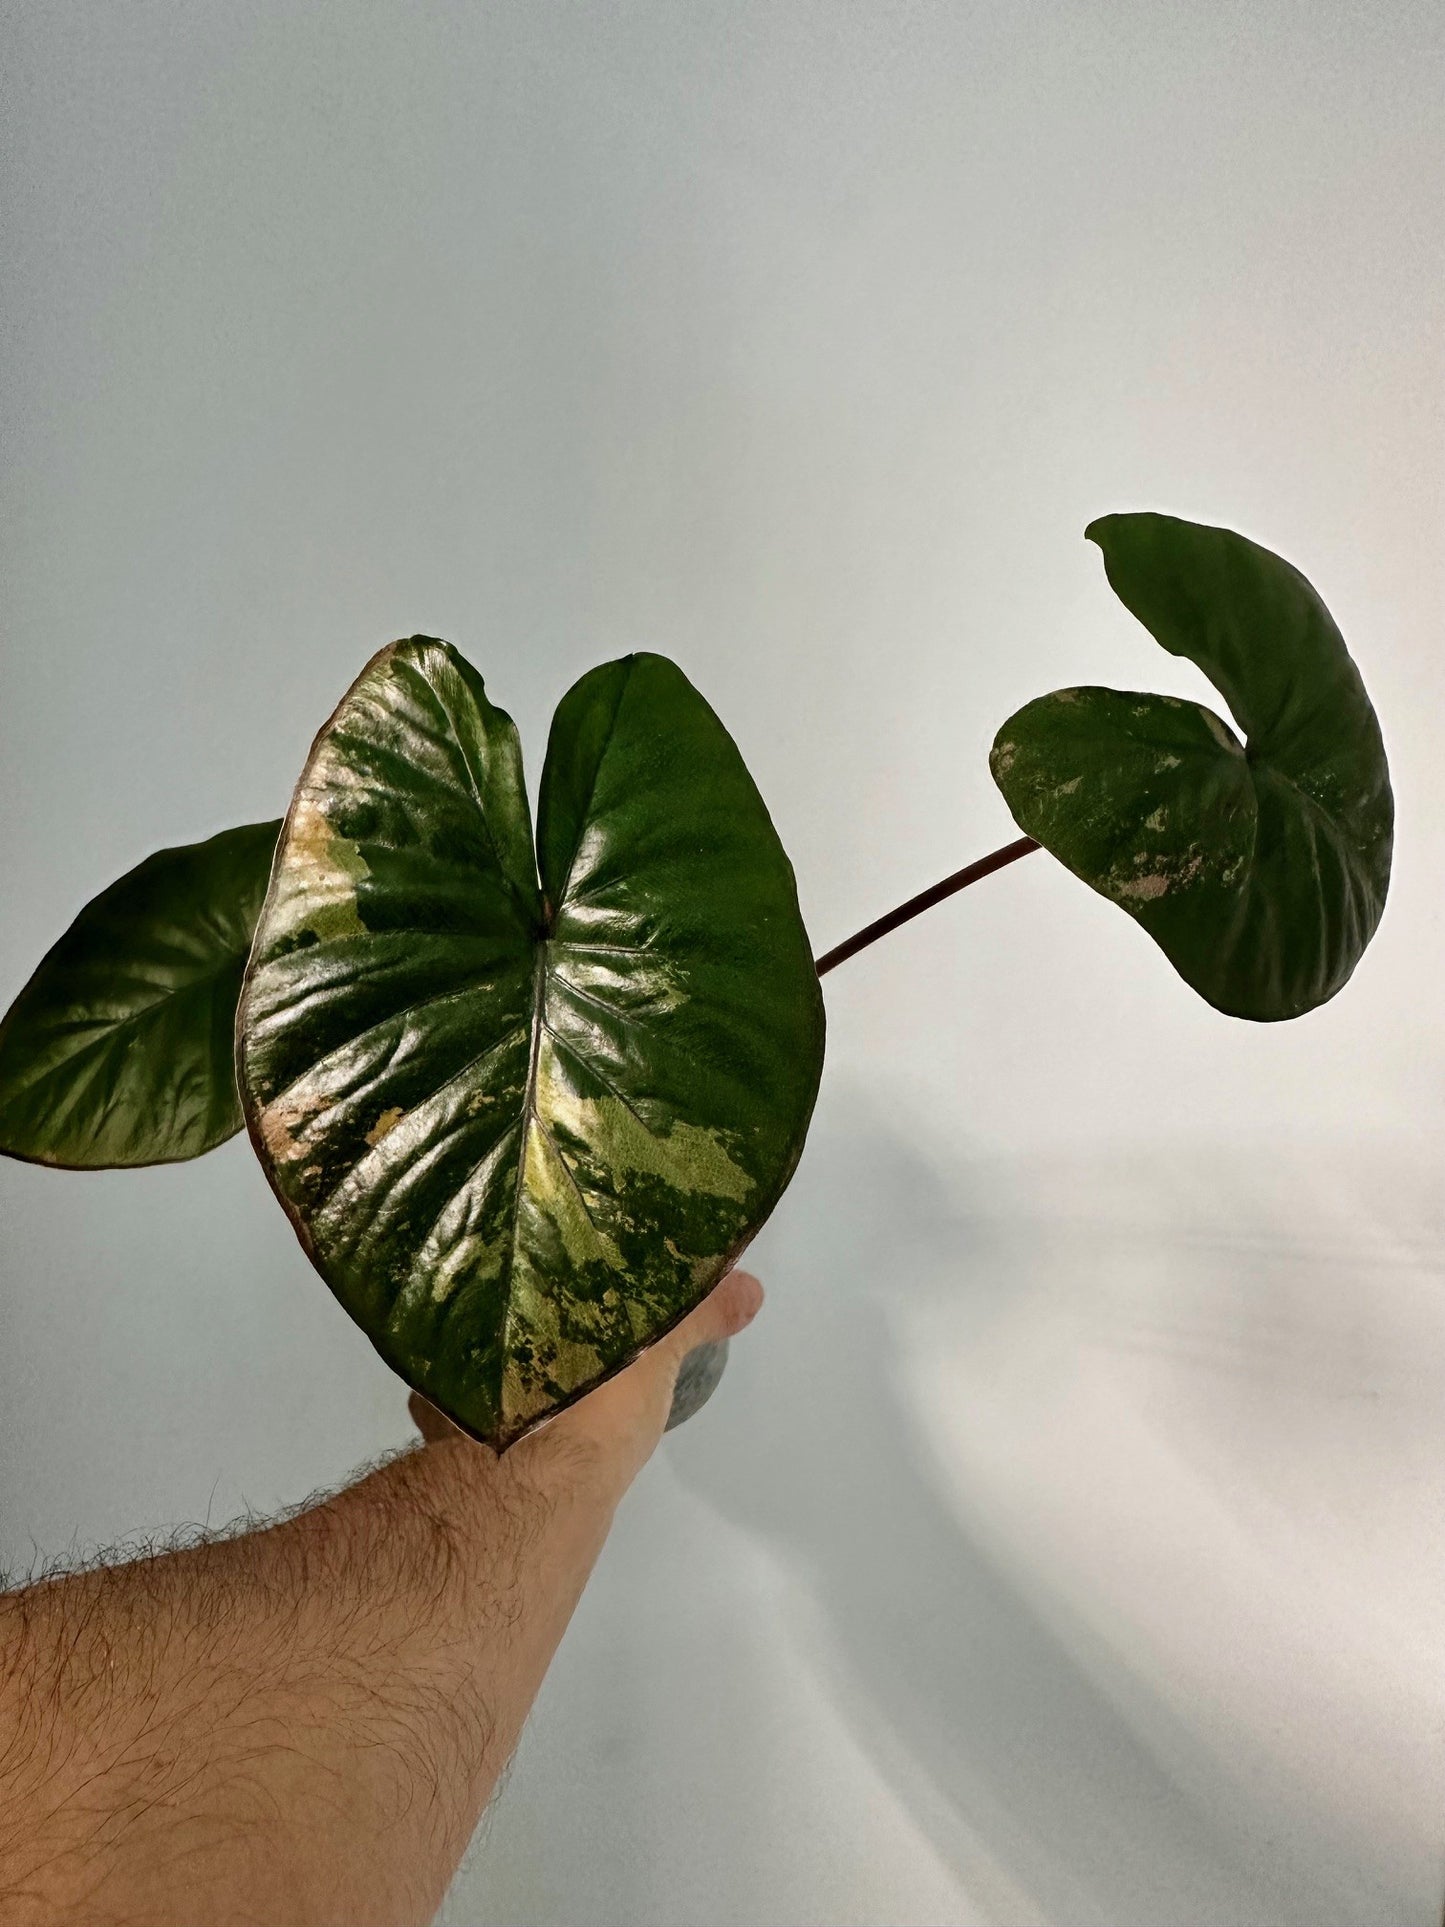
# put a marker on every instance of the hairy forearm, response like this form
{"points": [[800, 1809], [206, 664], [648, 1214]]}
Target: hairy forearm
{"points": [[301, 1724]]}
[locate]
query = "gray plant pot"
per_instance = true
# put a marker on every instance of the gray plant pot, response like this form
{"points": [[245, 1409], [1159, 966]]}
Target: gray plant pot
{"points": [[697, 1381]]}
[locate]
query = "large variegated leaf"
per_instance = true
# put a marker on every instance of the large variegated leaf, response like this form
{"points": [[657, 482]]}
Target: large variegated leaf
{"points": [[1258, 867], [522, 1127], [119, 1049]]}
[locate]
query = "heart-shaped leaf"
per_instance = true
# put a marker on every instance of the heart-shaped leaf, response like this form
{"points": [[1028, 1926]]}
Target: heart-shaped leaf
{"points": [[521, 1130], [119, 1050], [1259, 868]]}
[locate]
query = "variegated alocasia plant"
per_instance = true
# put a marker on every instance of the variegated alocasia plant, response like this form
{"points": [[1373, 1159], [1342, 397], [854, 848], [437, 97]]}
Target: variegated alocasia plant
{"points": [[525, 1103]]}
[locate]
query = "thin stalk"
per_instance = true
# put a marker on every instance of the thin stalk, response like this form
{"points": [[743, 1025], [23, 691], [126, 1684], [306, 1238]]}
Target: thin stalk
{"points": [[915, 906]]}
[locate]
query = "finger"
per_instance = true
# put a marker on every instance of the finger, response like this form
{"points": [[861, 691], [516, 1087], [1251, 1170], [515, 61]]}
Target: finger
{"points": [[730, 1307], [431, 1423]]}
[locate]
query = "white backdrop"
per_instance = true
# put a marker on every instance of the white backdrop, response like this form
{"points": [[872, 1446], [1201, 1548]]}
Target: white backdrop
{"points": [[1065, 1544]]}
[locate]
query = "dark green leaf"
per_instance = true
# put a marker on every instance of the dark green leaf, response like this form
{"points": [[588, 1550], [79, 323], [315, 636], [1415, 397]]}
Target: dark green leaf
{"points": [[120, 1048], [522, 1129], [1259, 868]]}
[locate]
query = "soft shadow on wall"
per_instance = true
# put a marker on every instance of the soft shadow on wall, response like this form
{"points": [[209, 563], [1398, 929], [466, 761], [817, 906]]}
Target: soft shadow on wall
{"points": [[1063, 1775]]}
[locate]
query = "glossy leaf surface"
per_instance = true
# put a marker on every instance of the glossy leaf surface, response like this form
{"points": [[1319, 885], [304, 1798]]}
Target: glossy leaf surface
{"points": [[119, 1050], [1259, 868], [522, 1128]]}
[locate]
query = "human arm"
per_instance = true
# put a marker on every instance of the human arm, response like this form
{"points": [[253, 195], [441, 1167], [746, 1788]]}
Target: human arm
{"points": [[303, 1724]]}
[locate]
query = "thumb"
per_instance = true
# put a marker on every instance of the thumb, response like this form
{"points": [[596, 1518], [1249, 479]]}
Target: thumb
{"points": [[730, 1307]]}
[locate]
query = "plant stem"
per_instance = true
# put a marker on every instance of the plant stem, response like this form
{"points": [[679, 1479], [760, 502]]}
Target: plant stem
{"points": [[915, 906]]}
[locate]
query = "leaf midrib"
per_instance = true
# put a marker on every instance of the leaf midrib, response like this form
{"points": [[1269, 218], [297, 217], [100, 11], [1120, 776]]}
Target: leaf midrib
{"points": [[539, 1025], [528, 1112]]}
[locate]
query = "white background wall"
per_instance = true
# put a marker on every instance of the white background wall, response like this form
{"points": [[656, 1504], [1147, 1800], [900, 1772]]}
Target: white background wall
{"points": [[1065, 1544]]}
